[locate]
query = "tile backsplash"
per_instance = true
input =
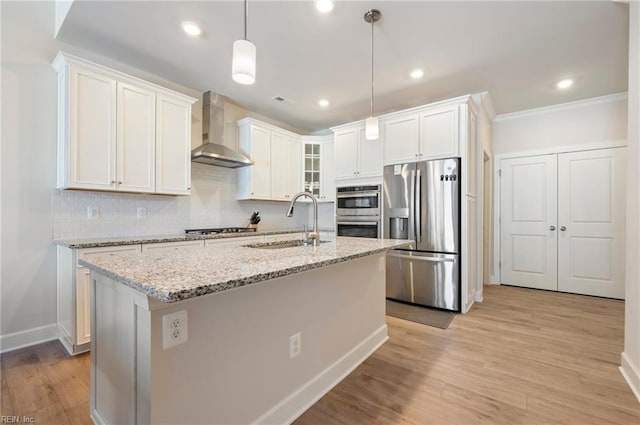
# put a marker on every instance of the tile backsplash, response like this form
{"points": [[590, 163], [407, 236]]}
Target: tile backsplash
{"points": [[212, 204]]}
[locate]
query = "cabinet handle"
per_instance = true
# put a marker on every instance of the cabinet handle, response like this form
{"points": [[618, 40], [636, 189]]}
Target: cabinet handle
{"points": [[563, 228], [119, 182], [189, 188], [113, 182], [552, 228]]}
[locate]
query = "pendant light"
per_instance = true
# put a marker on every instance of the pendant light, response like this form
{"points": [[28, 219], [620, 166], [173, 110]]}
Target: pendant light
{"points": [[243, 63], [371, 127]]}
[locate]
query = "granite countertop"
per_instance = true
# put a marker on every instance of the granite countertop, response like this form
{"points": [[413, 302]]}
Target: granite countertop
{"points": [[135, 240], [175, 276]]}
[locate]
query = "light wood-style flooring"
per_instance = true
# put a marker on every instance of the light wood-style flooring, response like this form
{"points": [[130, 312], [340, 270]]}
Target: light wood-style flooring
{"points": [[521, 357]]}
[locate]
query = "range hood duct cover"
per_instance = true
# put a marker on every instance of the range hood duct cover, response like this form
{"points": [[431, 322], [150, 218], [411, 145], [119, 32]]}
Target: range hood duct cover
{"points": [[212, 151]]}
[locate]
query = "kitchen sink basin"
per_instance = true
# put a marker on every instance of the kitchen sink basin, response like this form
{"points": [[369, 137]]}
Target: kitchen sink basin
{"points": [[280, 244]]}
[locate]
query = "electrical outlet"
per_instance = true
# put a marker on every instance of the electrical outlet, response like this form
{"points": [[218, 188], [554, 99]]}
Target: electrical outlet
{"points": [[141, 212], [295, 345], [174, 329], [93, 213]]}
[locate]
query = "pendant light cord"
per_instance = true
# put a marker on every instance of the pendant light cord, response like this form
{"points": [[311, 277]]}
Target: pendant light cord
{"points": [[246, 17], [372, 21]]}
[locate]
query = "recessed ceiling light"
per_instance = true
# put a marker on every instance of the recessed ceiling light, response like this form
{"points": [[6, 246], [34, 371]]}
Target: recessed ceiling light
{"points": [[323, 103], [324, 6], [417, 73], [191, 29], [564, 84]]}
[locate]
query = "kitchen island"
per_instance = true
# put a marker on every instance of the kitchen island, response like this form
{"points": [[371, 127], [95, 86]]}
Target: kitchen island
{"points": [[268, 331]]}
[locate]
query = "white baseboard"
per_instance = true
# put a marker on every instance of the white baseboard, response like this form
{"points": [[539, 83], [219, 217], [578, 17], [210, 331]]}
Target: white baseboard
{"points": [[631, 374], [33, 336], [290, 408], [479, 296]]}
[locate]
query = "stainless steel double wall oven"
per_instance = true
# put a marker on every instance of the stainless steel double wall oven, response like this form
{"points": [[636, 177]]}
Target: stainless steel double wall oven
{"points": [[358, 211]]}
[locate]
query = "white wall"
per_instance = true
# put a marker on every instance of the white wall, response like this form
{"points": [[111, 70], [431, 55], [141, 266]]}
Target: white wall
{"points": [[34, 212], [588, 121], [631, 356]]}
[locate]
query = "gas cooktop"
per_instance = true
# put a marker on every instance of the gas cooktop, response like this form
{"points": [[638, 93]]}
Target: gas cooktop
{"points": [[215, 231]]}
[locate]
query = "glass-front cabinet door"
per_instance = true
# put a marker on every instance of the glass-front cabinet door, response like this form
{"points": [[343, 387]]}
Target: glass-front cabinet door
{"points": [[312, 174]]}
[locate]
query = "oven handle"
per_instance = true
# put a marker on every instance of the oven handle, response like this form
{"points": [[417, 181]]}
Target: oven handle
{"points": [[352, 223], [359, 195], [415, 257]]}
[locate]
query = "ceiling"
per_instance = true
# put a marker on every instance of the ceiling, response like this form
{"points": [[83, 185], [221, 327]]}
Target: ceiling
{"points": [[516, 51]]}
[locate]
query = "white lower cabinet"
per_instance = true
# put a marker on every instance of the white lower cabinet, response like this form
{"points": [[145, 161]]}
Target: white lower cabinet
{"points": [[73, 294]]}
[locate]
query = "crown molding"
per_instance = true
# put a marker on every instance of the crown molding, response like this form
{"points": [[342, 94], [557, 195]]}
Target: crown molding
{"points": [[562, 107]]}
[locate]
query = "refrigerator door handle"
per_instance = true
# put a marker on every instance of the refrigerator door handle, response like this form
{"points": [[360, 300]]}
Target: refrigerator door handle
{"points": [[418, 206], [412, 207], [417, 258]]}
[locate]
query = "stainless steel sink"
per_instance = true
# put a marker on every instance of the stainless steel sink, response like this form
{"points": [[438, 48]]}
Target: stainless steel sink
{"points": [[280, 244]]}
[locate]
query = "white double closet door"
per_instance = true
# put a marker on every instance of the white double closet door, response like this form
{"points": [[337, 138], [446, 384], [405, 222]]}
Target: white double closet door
{"points": [[562, 222]]}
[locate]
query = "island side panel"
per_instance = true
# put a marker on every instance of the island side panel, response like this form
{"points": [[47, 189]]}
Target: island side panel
{"points": [[235, 367], [112, 352]]}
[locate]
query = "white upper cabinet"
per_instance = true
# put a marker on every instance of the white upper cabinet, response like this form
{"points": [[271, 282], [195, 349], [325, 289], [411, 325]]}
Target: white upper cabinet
{"points": [[439, 132], [285, 166], [88, 147], [276, 153], [426, 132], [356, 157], [118, 133], [401, 139], [173, 146], [318, 170], [136, 139]]}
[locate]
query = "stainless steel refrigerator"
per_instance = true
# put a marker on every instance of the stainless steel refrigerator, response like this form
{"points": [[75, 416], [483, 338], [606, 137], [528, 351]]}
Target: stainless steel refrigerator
{"points": [[422, 203]]}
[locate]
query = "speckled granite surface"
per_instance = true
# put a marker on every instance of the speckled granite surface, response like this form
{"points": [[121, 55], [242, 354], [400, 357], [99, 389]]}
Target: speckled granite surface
{"points": [[135, 240], [174, 276]]}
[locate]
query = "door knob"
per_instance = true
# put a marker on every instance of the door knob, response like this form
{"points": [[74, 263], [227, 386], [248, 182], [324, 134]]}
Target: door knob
{"points": [[563, 228], [552, 228]]}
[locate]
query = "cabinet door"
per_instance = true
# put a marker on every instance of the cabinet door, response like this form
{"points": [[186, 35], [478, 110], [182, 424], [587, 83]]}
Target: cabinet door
{"points": [[294, 168], [472, 155], [314, 155], [346, 153], [528, 213], [92, 131], [136, 142], [401, 139], [472, 257], [279, 166], [439, 133], [591, 220], [82, 288], [327, 172], [260, 153], [369, 157], [173, 146]]}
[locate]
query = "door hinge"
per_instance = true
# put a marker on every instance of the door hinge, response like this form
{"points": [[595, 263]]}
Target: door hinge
{"points": [[500, 173]]}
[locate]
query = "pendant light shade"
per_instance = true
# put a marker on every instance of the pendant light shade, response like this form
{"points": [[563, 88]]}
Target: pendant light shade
{"points": [[243, 65], [371, 127], [243, 62]]}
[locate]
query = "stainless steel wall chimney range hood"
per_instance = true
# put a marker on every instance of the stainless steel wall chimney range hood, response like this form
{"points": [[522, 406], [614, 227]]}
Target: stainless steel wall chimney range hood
{"points": [[212, 151]]}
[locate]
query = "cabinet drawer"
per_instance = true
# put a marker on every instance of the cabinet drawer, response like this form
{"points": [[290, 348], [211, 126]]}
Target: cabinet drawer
{"points": [[172, 246], [88, 253], [213, 243]]}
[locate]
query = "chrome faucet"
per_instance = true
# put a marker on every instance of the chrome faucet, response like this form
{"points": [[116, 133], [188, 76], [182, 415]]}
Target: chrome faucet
{"points": [[313, 237]]}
